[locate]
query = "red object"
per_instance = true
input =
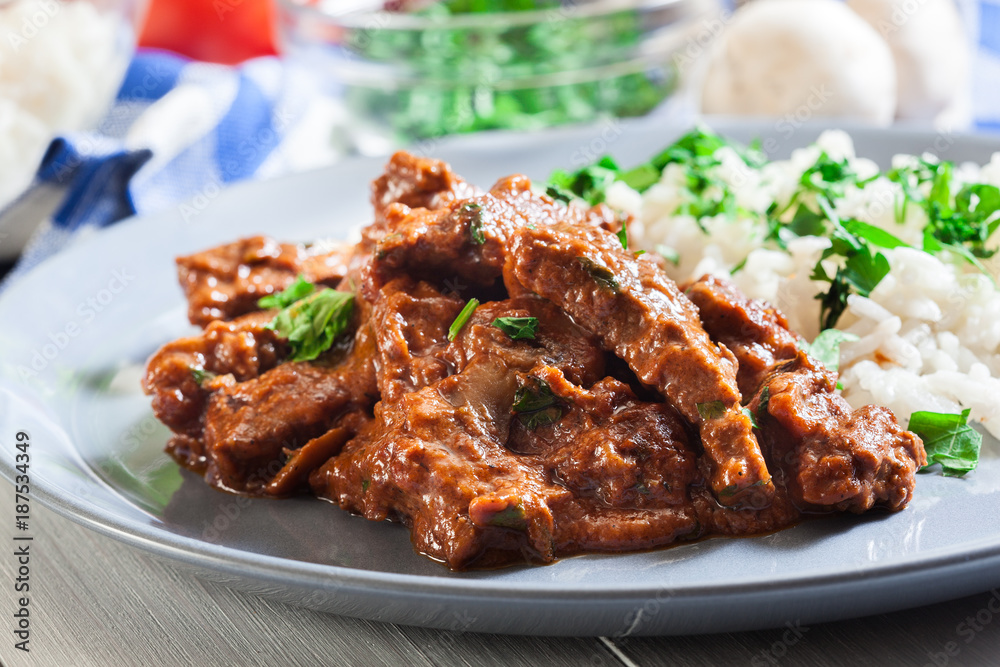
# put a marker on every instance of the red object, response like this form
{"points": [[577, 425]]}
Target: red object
{"points": [[221, 31]]}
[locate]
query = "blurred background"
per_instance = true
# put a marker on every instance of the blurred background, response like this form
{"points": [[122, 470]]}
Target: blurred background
{"points": [[112, 107]]}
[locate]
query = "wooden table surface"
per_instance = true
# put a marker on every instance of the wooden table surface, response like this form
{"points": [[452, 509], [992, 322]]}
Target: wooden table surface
{"points": [[97, 602]]}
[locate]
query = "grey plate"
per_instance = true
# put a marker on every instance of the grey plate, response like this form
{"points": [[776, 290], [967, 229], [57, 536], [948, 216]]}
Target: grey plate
{"points": [[76, 331]]}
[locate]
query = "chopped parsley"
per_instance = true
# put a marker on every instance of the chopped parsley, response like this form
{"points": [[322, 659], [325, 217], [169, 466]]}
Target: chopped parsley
{"points": [[535, 405], [751, 416], [765, 398], [299, 289], [518, 328], [472, 213], [623, 236], [826, 347], [313, 323], [462, 318], [669, 254], [201, 375], [512, 516], [948, 440], [694, 153], [711, 410], [604, 276]]}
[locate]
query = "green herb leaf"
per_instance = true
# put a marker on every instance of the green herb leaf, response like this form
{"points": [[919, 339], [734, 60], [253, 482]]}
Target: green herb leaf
{"points": [[641, 178], [623, 237], [600, 273], [462, 318], [512, 516], [711, 410], [472, 213], [948, 440], [669, 254], [826, 347], [750, 415], [874, 235], [518, 328], [535, 404], [311, 325], [765, 398], [865, 271], [201, 375], [300, 289], [588, 184]]}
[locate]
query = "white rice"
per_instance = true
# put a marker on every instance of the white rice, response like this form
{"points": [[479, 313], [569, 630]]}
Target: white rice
{"points": [[60, 66], [929, 333]]}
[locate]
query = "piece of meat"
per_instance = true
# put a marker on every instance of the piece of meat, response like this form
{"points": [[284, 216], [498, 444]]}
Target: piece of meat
{"points": [[412, 334], [754, 331], [249, 426], [417, 182], [834, 457], [467, 239], [227, 281], [640, 314], [435, 457], [626, 462], [179, 376], [610, 447]]}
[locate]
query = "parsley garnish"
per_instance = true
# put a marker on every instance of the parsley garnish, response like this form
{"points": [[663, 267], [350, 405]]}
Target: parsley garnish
{"points": [[750, 415], [588, 184], [472, 213], [711, 410], [312, 324], [669, 254], [600, 273], [518, 328], [200, 374], [826, 347], [765, 398], [300, 289], [694, 153], [948, 440], [623, 237], [511, 516], [462, 318], [535, 404]]}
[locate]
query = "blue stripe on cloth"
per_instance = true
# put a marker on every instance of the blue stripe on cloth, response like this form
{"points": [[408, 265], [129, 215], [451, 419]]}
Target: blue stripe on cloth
{"points": [[99, 194], [245, 135], [989, 26], [151, 75]]}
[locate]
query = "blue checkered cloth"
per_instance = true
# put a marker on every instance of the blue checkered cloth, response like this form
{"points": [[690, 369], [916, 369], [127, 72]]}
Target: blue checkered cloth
{"points": [[203, 126], [177, 129]]}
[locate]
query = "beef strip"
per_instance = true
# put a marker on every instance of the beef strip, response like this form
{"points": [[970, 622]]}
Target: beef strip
{"points": [[227, 281], [251, 426], [626, 462], [833, 457], [436, 459], [416, 182], [183, 373], [467, 239], [754, 331], [640, 314], [412, 336]]}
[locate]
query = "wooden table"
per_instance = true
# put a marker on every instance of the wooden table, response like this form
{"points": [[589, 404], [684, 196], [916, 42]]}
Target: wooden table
{"points": [[97, 602]]}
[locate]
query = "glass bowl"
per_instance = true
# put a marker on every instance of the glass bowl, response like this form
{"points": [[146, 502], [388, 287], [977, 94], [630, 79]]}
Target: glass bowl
{"points": [[411, 76], [61, 64]]}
